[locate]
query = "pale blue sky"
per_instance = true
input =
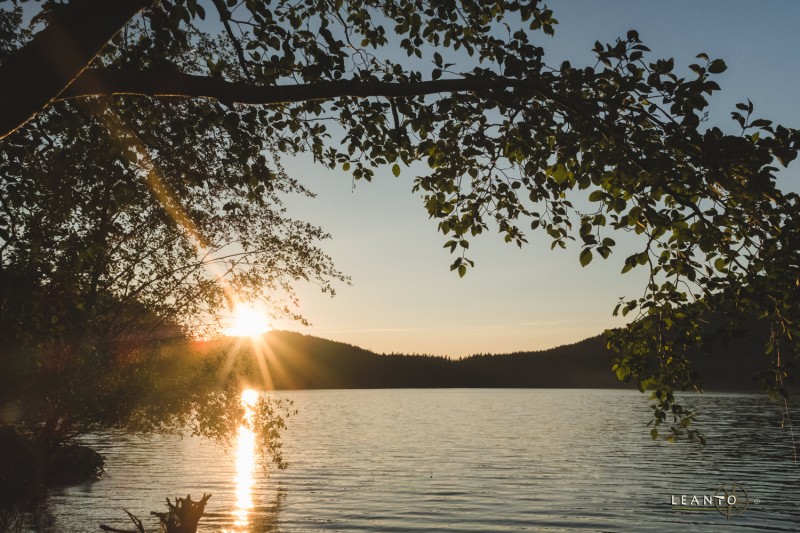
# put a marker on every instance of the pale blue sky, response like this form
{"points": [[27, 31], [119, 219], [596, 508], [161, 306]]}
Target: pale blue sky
{"points": [[405, 299]]}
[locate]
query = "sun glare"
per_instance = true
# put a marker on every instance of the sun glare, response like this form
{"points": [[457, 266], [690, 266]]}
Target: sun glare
{"points": [[248, 322], [245, 465], [249, 397]]}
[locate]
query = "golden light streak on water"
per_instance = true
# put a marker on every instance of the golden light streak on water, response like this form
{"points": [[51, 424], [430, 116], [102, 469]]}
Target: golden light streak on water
{"points": [[245, 466]]}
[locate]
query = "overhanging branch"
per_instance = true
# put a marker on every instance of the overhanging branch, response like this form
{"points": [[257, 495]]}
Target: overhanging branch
{"points": [[106, 82], [57, 55]]}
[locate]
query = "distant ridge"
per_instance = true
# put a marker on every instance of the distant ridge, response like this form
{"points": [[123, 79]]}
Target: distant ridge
{"points": [[297, 361]]}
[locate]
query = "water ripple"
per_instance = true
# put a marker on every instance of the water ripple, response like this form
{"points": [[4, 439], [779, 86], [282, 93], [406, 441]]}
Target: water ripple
{"points": [[462, 460]]}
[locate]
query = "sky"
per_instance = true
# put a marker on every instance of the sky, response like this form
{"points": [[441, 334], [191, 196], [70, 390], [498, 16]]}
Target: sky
{"points": [[403, 297]]}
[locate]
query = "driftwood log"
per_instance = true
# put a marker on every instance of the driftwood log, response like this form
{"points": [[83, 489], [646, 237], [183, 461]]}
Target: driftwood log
{"points": [[181, 517]]}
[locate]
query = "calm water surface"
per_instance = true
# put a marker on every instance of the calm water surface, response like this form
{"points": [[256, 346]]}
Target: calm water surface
{"points": [[458, 460]]}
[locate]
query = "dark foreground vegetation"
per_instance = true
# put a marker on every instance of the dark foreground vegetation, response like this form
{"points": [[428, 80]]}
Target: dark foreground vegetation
{"points": [[163, 387], [29, 465]]}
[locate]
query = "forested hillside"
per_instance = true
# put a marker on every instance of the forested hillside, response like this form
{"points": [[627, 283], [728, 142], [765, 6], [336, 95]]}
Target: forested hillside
{"points": [[296, 361]]}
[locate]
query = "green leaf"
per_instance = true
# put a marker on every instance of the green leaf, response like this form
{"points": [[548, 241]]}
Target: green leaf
{"points": [[586, 257], [560, 173], [717, 66], [396, 170]]}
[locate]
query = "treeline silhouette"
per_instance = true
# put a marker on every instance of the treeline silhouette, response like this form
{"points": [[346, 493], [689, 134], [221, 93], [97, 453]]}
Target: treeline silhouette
{"points": [[294, 361]]}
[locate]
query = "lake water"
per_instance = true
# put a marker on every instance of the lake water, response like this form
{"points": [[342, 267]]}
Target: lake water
{"points": [[461, 460]]}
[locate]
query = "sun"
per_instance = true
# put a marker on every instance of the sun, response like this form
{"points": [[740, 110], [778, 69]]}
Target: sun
{"points": [[248, 322]]}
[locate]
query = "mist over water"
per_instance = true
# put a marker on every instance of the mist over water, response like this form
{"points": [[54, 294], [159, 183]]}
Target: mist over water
{"points": [[460, 460]]}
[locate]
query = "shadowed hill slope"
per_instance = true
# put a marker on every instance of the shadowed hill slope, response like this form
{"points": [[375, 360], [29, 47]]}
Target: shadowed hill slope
{"points": [[295, 361]]}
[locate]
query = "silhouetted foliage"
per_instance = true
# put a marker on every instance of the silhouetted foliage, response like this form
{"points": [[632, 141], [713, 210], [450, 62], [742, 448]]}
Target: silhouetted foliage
{"points": [[510, 140], [122, 228]]}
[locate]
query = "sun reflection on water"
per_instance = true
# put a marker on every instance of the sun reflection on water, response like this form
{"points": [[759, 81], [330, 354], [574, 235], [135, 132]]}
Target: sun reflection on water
{"points": [[245, 466]]}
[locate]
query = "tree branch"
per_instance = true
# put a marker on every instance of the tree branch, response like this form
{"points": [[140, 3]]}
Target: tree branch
{"points": [[106, 82], [225, 17], [57, 55]]}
